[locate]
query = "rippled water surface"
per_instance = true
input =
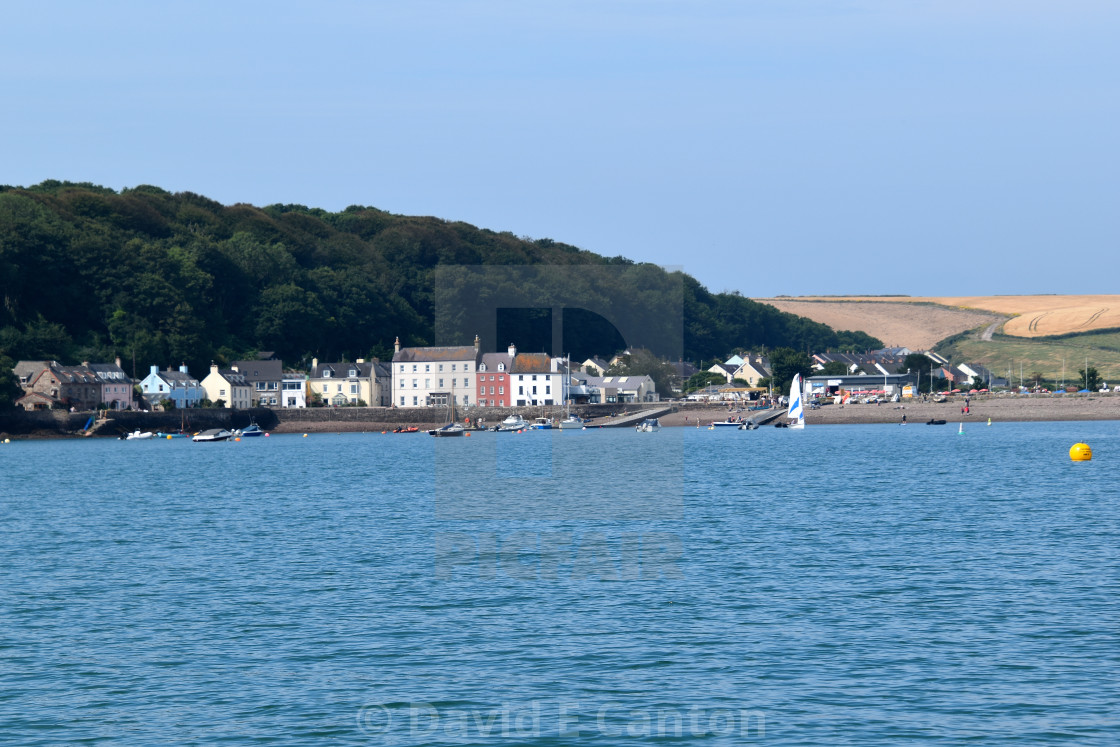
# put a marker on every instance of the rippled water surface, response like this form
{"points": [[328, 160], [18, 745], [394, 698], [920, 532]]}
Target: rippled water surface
{"points": [[843, 585]]}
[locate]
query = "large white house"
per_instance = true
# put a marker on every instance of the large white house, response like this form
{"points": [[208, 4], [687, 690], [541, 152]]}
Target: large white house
{"points": [[537, 379], [229, 387], [435, 376]]}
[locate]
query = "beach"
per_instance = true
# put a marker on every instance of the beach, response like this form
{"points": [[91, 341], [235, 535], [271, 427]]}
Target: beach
{"points": [[1005, 408]]}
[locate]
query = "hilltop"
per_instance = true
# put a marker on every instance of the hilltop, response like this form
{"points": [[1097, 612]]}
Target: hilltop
{"points": [[156, 277], [1051, 334]]}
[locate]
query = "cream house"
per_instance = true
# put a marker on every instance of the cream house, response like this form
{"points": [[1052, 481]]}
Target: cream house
{"points": [[435, 376], [339, 384], [228, 386]]}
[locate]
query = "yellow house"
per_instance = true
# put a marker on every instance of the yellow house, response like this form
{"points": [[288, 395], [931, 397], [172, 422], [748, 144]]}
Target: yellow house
{"points": [[341, 384]]}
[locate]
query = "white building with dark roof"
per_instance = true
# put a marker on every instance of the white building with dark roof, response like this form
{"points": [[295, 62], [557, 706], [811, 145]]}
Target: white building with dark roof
{"points": [[435, 376]]}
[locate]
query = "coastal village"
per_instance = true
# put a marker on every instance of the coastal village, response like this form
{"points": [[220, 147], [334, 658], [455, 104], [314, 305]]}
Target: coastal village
{"points": [[466, 377]]}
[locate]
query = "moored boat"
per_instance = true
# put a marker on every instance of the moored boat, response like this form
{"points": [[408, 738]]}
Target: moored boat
{"points": [[649, 425], [513, 423], [570, 422], [212, 434], [542, 424]]}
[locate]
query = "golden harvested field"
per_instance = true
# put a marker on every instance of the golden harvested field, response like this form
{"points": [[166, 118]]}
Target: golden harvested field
{"points": [[896, 321], [1033, 316]]}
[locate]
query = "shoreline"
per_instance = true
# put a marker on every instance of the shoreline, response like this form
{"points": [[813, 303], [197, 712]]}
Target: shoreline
{"points": [[1007, 408]]}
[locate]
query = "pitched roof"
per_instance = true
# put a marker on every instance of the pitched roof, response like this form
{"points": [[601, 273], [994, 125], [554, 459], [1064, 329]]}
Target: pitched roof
{"points": [[342, 370], [109, 372], [491, 361], [437, 353], [272, 370], [532, 363], [233, 377]]}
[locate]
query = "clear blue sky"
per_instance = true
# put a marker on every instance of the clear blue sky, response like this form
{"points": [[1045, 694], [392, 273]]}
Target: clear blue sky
{"points": [[904, 146]]}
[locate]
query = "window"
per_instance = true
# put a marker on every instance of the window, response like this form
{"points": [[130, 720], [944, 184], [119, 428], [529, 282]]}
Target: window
{"points": [[520, 390], [441, 367], [482, 390], [534, 390], [441, 383], [491, 378], [534, 377], [427, 383], [327, 373], [340, 387], [501, 390], [521, 377], [402, 371], [466, 400], [402, 384], [326, 388], [491, 390], [402, 398], [221, 392], [353, 373], [413, 368], [353, 388], [415, 383], [501, 367], [501, 378], [454, 383], [452, 366], [547, 389], [414, 401], [427, 368]]}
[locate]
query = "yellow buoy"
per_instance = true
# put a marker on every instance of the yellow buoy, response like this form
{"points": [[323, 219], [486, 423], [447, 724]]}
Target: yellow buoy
{"points": [[305, 435], [1080, 453]]}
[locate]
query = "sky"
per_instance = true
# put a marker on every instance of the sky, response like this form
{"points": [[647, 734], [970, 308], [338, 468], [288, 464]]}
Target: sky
{"points": [[791, 147]]}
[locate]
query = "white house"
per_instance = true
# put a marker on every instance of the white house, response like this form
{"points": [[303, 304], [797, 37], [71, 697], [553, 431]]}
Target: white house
{"points": [[536, 379], [435, 376]]}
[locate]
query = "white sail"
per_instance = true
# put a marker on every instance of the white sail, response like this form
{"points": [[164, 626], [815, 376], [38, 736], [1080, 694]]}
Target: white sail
{"points": [[796, 411]]}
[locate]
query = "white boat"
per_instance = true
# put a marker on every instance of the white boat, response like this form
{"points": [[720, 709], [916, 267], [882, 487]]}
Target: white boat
{"points": [[570, 422], [796, 412], [649, 425], [726, 424], [542, 424], [139, 436], [213, 434], [513, 423]]}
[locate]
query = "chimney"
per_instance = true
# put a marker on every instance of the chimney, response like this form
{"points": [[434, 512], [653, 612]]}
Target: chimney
{"points": [[512, 350], [183, 368], [118, 361], [213, 367], [233, 367], [397, 345], [155, 370], [477, 343], [85, 364], [360, 360], [314, 365]]}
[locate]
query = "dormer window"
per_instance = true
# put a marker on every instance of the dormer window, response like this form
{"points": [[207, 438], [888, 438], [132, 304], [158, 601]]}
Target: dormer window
{"points": [[353, 373], [327, 373], [482, 366], [501, 367]]}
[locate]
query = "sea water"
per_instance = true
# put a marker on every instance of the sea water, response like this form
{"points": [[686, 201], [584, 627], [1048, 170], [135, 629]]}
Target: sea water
{"points": [[842, 585]]}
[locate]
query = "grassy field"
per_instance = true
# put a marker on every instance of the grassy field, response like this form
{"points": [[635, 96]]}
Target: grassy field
{"points": [[1045, 356], [1033, 316]]}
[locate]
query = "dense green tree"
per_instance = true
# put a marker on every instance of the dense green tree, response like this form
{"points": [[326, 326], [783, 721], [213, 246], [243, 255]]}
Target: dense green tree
{"points": [[1090, 378], [834, 368], [642, 362], [166, 278], [784, 364]]}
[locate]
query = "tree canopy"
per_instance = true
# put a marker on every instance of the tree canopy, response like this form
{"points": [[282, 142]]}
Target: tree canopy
{"points": [[89, 273]]}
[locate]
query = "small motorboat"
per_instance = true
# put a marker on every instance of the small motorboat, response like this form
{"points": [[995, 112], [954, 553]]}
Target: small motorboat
{"points": [[748, 425], [936, 422], [406, 429], [249, 431], [138, 435], [726, 424], [649, 425], [161, 434], [451, 429], [213, 434], [514, 423], [542, 424], [570, 422]]}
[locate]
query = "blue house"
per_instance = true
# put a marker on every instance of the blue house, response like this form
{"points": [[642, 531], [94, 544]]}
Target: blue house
{"points": [[178, 386]]}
